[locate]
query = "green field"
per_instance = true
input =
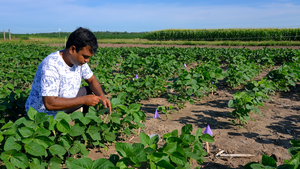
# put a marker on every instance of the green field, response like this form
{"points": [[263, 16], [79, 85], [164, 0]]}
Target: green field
{"points": [[131, 75]]}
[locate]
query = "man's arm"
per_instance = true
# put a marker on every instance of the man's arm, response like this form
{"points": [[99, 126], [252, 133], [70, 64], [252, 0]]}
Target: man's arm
{"points": [[97, 90], [60, 103]]}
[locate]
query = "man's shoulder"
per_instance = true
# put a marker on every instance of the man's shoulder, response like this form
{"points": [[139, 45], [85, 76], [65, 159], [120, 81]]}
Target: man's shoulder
{"points": [[52, 59]]}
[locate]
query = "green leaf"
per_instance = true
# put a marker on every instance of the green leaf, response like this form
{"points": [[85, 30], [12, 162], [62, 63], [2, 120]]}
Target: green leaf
{"points": [[153, 140], [63, 126], [74, 150], [7, 125], [109, 136], [85, 120], [42, 132], [20, 160], [115, 102], [55, 162], [93, 131], [269, 161], [102, 111], [230, 103], [207, 138], [102, 163], [134, 107], [149, 150], [178, 158], [31, 113], [26, 131], [170, 148], [52, 123], [187, 129], [144, 138], [84, 163], [115, 117], [165, 164], [44, 141], [76, 130], [198, 133], [11, 144], [62, 116], [35, 149], [57, 150], [6, 155], [9, 165], [76, 115], [40, 118], [187, 138], [123, 148]]}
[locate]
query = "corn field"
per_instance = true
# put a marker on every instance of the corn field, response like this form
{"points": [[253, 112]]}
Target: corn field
{"points": [[247, 34]]}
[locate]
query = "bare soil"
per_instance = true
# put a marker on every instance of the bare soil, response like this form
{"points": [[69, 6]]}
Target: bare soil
{"points": [[268, 135]]}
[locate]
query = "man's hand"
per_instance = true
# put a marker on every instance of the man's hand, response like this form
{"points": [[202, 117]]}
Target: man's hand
{"points": [[106, 103], [91, 100]]}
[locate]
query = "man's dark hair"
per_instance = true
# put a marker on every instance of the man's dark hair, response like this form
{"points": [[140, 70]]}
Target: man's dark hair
{"points": [[82, 37]]}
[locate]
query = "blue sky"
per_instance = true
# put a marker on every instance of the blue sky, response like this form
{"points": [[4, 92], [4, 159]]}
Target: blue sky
{"points": [[35, 16]]}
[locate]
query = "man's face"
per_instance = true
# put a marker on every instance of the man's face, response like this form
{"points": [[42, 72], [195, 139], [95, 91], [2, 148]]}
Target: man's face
{"points": [[81, 57]]}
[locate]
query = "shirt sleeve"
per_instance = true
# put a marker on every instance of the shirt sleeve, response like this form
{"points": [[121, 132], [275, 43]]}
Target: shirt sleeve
{"points": [[86, 72], [49, 81]]}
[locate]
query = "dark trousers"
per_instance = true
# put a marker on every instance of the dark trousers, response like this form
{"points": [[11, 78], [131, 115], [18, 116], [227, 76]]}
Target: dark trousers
{"points": [[83, 91]]}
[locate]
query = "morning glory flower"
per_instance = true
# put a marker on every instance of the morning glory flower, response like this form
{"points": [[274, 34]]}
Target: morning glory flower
{"points": [[156, 114], [208, 130], [212, 82], [184, 65], [136, 76], [117, 64]]}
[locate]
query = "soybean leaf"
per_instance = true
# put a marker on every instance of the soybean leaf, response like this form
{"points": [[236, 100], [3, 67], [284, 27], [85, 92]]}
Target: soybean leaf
{"points": [[40, 118], [84, 163], [76, 130], [93, 131], [31, 113], [269, 161], [62, 115], [187, 129], [20, 160], [26, 131], [63, 126], [102, 163], [11, 144], [5, 156], [134, 107], [144, 138], [109, 136], [165, 164], [123, 148], [178, 158], [76, 115], [57, 150], [35, 149], [207, 138]]}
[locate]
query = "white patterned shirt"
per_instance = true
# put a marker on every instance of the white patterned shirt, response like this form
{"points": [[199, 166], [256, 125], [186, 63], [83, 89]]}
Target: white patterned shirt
{"points": [[55, 78]]}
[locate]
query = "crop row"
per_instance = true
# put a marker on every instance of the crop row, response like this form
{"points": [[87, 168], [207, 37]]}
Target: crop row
{"points": [[246, 34], [142, 73]]}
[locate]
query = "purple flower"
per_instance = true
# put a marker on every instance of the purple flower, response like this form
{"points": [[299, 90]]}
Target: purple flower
{"points": [[184, 65], [208, 130], [120, 56], [117, 64], [156, 114], [136, 76], [212, 82], [2, 53]]}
